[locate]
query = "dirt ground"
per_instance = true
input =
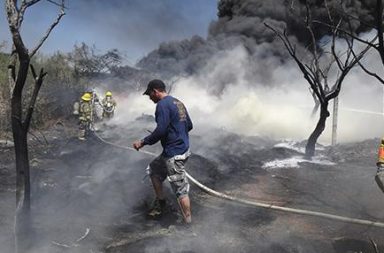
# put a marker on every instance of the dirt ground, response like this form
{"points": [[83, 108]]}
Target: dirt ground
{"points": [[91, 197]]}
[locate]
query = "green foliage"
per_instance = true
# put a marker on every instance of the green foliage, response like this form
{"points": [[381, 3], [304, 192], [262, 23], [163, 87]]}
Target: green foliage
{"points": [[4, 92], [69, 75], [4, 59], [60, 89]]}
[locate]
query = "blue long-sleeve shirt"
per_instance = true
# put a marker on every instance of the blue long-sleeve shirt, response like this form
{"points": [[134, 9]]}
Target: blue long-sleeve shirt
{"points": [[173, 125]]}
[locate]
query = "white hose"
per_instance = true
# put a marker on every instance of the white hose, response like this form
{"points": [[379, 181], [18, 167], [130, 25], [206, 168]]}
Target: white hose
{"points": [[259, 204]]}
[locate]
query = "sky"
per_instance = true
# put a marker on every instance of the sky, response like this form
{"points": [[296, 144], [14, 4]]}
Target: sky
{"points": [[135, 27]]}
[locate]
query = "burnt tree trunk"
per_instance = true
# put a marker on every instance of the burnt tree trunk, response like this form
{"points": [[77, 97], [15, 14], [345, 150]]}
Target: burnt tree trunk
{"points": [[311, 144], [316, 70], [20, 131], [23, 203], [22, 55], [20, 136]]}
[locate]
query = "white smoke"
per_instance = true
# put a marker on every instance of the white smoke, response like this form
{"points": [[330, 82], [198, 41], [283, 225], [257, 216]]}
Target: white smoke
{"points": [[221, 96]]}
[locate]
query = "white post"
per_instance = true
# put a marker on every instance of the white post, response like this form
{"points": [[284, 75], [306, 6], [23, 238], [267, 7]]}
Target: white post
{"points": [[334, 119], [383, 100]]}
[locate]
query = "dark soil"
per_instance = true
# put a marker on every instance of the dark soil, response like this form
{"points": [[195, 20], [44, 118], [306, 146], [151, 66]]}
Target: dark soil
{"points": [[92, 186]]}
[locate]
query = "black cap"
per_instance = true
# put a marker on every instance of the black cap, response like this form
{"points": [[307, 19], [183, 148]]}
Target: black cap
{"points": [[154, 84]]}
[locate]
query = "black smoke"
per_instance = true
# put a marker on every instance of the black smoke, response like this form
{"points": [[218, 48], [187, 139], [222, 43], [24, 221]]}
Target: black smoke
{"points": [[241, 22], [246, 18]]}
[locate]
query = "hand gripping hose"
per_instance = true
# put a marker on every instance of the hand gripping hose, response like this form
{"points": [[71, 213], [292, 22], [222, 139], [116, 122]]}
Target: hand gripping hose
{"points": [[259, 204]]}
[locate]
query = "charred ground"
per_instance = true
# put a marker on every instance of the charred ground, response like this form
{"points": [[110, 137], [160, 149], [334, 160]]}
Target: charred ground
{"points": [[91, 185]]}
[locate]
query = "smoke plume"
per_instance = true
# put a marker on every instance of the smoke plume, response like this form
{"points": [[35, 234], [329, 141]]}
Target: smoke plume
{"points": [[245, 81], [242, 23]]}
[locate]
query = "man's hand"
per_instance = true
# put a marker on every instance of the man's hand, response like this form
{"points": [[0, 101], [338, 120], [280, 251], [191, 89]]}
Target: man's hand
{"points": [[138, 145]]}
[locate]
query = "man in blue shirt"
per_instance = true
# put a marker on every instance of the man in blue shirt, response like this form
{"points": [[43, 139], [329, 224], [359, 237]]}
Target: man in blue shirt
{"points": [[173, 125]]}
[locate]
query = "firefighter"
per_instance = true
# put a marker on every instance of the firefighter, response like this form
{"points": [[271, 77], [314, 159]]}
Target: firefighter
{"points": [[85, 115], [109, 105], [96, 105], [379, 178]]}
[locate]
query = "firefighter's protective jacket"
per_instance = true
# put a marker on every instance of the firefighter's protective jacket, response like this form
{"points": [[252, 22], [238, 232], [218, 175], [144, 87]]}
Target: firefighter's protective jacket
{"points": [[85, 111], [108, 104]]}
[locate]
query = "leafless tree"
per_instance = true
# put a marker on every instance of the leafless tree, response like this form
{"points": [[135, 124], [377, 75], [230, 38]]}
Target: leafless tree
{"points": [[317, 70], [20, 63], [377, 43], [88, 62]]}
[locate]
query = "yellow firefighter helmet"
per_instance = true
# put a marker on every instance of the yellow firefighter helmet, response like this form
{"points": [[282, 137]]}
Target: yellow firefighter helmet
{"points": [[108, 94], [86, 96]]}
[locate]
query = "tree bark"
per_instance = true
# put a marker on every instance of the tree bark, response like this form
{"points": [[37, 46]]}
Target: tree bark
{"points": [[20, 54], [23, 203], [20, 135], [311, 144]]}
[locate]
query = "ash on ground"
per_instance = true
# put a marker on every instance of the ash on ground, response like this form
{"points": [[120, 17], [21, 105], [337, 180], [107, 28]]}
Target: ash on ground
{"points": [[91, 197]]}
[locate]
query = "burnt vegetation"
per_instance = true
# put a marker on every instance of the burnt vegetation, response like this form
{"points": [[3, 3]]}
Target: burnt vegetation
{"points": [[99, 186]]}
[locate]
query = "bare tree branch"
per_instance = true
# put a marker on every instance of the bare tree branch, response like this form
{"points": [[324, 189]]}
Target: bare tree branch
{"points": [[18, 72], [314, 44], [12, 14], [347, 68], [371, 73], [55, 3], [379, 27], [333, 50], [60, 15], [31, 2], [306, 70], [316, 72], [355, 37], [381, 80], [38, 82], [328, 12], [311, 72], [24, 5], [350, 16]]}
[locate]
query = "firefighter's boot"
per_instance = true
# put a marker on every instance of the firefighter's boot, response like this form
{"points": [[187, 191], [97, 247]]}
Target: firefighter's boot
{"points": [[81, 135]]}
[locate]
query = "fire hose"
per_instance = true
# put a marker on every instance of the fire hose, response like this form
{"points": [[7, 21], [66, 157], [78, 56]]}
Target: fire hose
{"points": [[259, 204], [108, 109]]}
